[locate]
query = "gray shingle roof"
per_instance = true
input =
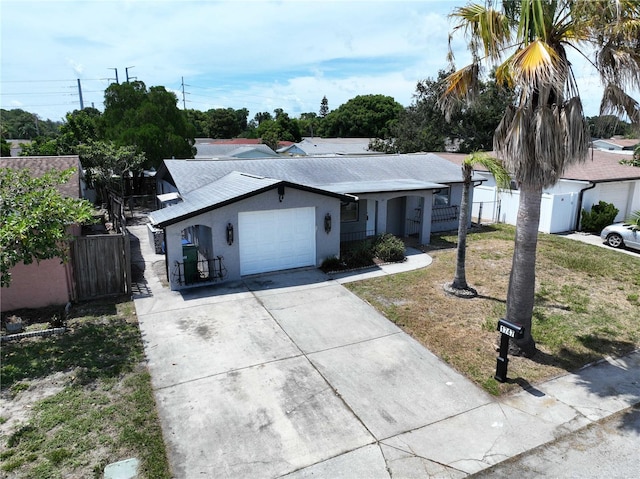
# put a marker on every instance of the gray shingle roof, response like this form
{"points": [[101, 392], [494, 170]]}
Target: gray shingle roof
{"points": [[206, 150], [319, 172], [228, 189]]}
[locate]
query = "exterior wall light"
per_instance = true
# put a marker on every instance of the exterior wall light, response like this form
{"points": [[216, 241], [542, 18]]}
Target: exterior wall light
{"points": [[280, 192], [229, 234], [327, 223]]}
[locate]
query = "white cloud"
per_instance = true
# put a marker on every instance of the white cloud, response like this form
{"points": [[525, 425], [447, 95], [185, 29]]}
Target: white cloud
{"points": [[255, 54]]}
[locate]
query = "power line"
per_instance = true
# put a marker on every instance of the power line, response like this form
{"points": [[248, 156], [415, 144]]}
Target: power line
{"points": [[48, 81]]}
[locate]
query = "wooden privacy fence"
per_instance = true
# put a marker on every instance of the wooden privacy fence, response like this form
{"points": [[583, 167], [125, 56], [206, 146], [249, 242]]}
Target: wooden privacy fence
{"points": [[101, 265]]}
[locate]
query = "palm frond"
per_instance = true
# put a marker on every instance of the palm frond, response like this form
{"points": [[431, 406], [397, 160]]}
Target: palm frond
{"points": [[634, 220], [549, 146], [577, 131], [537, 64], [485, 27], [493, 165], [461, 85], [533, 21], [616, 102]]}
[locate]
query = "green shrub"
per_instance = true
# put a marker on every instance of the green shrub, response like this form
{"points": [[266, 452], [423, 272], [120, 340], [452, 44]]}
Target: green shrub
{"points": [[388, 248], [360, 254], [332, 263], [601, 215]]}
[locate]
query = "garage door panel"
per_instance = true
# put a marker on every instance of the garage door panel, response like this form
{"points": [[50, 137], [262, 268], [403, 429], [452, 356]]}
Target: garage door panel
{"points": [[276, 239], [618, 195]]}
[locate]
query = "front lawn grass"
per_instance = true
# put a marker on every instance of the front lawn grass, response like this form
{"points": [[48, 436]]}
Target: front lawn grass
{"points": [[586, 305], [76, 402]]}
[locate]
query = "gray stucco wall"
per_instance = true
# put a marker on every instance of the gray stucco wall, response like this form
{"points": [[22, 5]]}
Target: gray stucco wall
{"points": [[326, 244]]}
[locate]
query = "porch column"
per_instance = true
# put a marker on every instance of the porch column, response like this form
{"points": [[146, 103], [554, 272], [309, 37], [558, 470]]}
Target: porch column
{"points": [[424, 235], [381, 220]]}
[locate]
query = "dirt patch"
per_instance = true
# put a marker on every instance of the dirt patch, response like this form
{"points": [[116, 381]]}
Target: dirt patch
{"points": [[16, 406]]}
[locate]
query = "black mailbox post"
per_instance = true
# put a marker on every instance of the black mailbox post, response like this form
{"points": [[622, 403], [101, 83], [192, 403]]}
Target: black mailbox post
{"points": [[508, 330]]}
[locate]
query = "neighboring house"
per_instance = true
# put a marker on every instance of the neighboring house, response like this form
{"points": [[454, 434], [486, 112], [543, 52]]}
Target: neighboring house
{"points": [[615, 144], [16, 146], [235, 148], [236, 217], [600, 178], [328, 146], [48, 282]]}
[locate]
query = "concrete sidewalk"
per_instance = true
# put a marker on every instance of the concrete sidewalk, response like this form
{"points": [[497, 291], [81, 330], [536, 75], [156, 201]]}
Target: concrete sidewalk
{"points": [[291, 375]]}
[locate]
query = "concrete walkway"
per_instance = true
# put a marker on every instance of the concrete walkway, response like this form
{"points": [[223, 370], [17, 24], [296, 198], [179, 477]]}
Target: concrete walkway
{"points": [[291, 375]]}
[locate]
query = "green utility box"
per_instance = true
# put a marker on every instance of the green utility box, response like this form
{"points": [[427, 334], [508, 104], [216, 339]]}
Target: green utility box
{"points": [[190, 260]]}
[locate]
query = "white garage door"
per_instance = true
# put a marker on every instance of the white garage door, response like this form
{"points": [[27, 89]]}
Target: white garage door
{"points": [[618, 194], [276, 239]]}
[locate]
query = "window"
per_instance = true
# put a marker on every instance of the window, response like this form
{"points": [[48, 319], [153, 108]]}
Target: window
{"points": [[442, 197], [348, 211]]}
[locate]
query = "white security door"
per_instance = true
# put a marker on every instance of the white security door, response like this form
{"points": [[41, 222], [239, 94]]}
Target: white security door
{"points": [[276, 239]]}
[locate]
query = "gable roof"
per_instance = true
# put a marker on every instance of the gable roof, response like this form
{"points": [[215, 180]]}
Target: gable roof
{"points": [[329, 146], [232, 187], [361, 173], [39, 165], [214, 149]]}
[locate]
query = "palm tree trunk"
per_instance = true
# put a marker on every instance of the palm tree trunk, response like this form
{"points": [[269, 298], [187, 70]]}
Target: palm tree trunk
{"points": [[520, 295], [460, 278]]}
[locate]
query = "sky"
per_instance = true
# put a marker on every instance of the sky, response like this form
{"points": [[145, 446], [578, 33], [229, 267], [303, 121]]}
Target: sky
{"points": [[260, 54]]}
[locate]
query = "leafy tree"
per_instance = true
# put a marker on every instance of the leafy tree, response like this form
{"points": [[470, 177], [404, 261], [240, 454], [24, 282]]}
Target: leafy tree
{"points": [[262, 116], [421, 126], [289, 127], [41, 146], [81, 126], [20, 124], [475, 123], [459, 286], [35, 217], [324, 107], [5, 147], [147, 119], [226, 122], [607, 126], [107, 164], [308, 123], [544, 130], [200, 122], [271, 135], [365, 116], [242, 116]]}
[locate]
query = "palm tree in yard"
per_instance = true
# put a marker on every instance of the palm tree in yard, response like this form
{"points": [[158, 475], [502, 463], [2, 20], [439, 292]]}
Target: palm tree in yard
{"points": [[459, 286], [544, 130]]}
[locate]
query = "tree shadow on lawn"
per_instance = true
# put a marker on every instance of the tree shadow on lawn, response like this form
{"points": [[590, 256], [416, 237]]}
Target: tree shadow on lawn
{"points": [[596, 348], [100, 348]]}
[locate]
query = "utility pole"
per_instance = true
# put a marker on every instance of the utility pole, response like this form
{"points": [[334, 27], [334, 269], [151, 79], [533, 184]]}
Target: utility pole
{"points": [[126, 70], [116, 70], [184, 101], [80, 95]]}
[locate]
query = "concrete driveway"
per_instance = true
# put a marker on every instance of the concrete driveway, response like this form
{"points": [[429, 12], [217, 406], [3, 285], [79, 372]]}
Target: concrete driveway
{"points": [[287, 371], [291, 375]]}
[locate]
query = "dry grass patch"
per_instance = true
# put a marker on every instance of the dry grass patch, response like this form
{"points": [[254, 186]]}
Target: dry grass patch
{"points": [[586, 305], [73, 403]]}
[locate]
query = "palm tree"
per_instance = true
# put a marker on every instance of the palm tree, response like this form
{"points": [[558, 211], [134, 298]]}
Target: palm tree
{"points": [[459, 287], [634, 219], [544, 130]]}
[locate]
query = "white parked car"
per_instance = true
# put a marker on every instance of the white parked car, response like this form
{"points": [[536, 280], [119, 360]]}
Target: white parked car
{"points": [[621, 234]]}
